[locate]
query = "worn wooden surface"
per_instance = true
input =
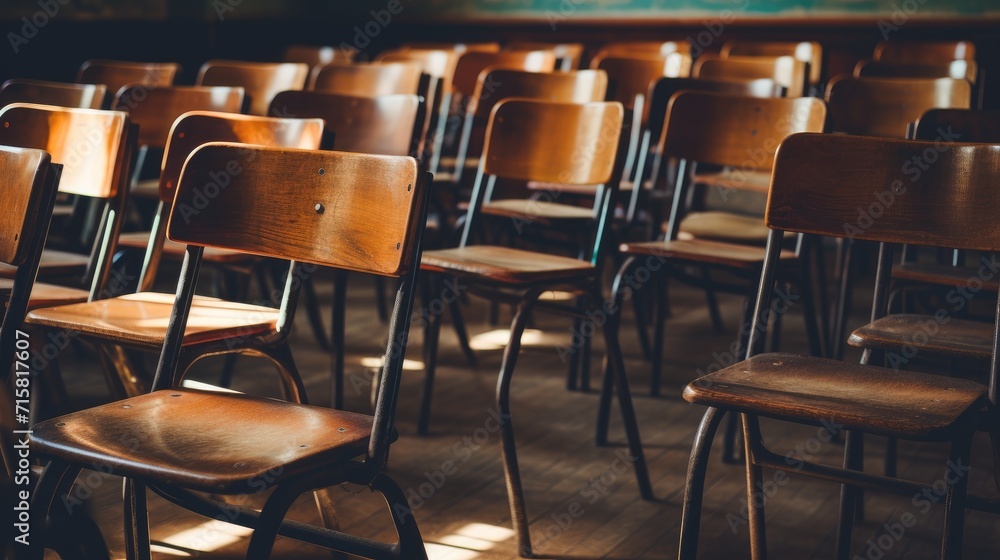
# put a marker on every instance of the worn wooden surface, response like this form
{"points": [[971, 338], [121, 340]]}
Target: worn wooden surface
{"points": [[261, 80]]}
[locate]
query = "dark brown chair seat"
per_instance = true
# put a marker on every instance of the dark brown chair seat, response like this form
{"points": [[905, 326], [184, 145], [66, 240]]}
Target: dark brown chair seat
{"points": [[958, 338], [941, 275], [54, 263], [45, 295], [744, 180], [142, 319], [867, 398], [726, 227], [700, 250], [504, 264], [241, 438], [528, 209]]}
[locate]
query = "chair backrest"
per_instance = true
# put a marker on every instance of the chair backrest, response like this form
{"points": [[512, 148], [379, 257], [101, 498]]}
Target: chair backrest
{"points": [[642, 48], [495, 85], [89, 143], [386, 124], [459, 48], [956, 69], [80, 96], [368, 79], [568, 55], [959, 125], [631, 76], [115, 74], [260, 80], [734, 130], [318, 56], [471, 64], [29, 187], [156, 109], [785, 70], [886, 106], [809, 52], [319, 213], [438, 64], [924, 52]]}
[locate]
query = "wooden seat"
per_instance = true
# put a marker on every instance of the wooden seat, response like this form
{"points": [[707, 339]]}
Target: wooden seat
{"points": [[182, 444], [46, 295], [725, 226], [260, 80], [116, 74], [809, 52], [818, 195], [140, 320], [786, 71], [958, 338], [80, 96], [740, 134], [527, 140], [815, 390], [940, 275], [107, 139], [367, 80], [539, 210]]}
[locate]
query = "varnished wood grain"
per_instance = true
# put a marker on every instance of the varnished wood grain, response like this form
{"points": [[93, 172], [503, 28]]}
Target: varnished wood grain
{"points": [[950, 337], [871, 399], [436, 63], [367, 79], [955, 69], [45, 295], [632, 75], [917, 52], [321, 206], [885, 106], [156, 109], [504, 264], [471, 64], [786, 71], [22, 172], [80, 96], [809, 52], [115, 74], [568, 87], [569, 54], [261, 80], [631, 48]]}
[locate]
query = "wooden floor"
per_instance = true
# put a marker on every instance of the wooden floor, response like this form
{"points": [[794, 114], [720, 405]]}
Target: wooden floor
{"points": [[582, 500]]}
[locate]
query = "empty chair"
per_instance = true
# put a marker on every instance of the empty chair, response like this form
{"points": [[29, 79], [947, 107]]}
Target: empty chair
{"points": [[181, 440], [80, 96], [260, 80], [924, 52], [945, 206], [568, 55], [318, 56], [471, 64], [642, 48], [956, 69], [460, 48], [809, 52], [527, 141], [367, 79], [115, 74], [885, 106], [787, 71]]}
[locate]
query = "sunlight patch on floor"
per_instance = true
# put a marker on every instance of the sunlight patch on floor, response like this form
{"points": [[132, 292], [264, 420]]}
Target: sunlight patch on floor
{"points": [[467, 542], [206, 537]]}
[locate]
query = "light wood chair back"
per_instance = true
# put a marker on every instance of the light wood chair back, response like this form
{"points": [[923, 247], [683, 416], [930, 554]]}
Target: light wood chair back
{"points": [[260, 80], [30, 180], [115, 74], [368, 79], [641, 48], [568, 55], [632, 76], [924, 52], [887, 106], [460, 48], [438, 64], [387, 124], [495, 85], [80, 96], [156, 109], [318, 56], [785, 70], [956, 70], [471, 64], [809, 52]]}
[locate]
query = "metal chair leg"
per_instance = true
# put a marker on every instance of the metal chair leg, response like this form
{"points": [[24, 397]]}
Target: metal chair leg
{"points": [[957, 478], [849, 496], [656, 359], [311, 301], [266, 528], [755, 492], [136, 521], [512, 474], [458, 323], [432, 331], [47, 488], [411, 545], [604, 402], [694, 484], [337, 327]]}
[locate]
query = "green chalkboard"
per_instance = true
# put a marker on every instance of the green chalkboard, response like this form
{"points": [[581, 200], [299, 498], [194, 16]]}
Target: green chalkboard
{"points": [[561, 10]]}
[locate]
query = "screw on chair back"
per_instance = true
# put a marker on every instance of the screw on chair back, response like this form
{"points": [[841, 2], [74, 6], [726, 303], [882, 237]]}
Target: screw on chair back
{"points": [[568, 55], [80, 96], [367, 79], [887, 106], [923, 52], [787, 71], [386, 124], [809, 52], [116, 74], [260, 80], [156, 109], [471, 65], [96, 150]]}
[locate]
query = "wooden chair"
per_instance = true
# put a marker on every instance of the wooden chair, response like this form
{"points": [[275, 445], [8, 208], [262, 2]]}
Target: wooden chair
{"points": [[96, 150], [460, 48], [741, 134], [924, 52], [787, 71], [80, 96], [138, 321], [172, 441], [318, 56], [568, 55], [30, 181], [367, 80], [956, 70], [819, 195], [386, 125], [629, 49], [260, 80], [809, 52], [115, 74], [526, 140], [155, 110]]}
